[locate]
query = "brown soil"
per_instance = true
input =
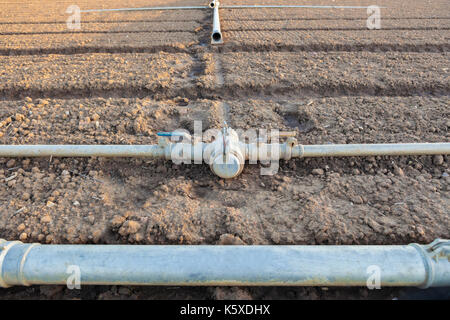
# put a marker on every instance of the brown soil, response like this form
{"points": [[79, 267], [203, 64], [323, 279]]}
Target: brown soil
{"points": [[126, 76]]}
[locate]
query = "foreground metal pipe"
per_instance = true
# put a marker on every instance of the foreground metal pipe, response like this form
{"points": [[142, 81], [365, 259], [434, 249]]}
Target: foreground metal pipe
{"points": [[408, 265], [216, 35]]}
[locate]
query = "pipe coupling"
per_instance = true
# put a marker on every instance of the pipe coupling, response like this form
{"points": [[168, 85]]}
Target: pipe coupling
{"points": [[289, 145], [11, 269], [436, 259]]}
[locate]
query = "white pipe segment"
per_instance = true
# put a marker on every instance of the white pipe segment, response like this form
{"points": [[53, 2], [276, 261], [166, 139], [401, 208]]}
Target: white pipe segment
{"points": [[226, 155], [146, 9], [327, 265], [256, 6], [216, 35], [151, 151], [156, 151], [347, 150], [213, 5]]}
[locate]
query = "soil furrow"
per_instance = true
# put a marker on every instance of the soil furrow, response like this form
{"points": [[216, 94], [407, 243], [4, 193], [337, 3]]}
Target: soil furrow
{"points": [[233, 91], [63, 22], [233, 47]]}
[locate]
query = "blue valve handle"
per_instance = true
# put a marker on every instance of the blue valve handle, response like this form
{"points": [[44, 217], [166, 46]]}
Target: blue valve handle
{"points": [[170, 134], [174, 134]]}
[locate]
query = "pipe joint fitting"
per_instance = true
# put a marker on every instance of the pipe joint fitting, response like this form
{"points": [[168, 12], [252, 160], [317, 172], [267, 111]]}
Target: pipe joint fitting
{"points": [[289, 145], [225, 155], [13, 255], [436, 259]]}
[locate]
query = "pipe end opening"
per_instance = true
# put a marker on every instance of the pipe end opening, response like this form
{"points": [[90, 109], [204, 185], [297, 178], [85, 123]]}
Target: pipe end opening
{"points": [[216, 37], [212, 5]]}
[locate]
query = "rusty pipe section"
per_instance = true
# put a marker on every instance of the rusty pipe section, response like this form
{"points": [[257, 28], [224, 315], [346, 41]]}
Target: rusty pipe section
{"points": [[391, 265]]}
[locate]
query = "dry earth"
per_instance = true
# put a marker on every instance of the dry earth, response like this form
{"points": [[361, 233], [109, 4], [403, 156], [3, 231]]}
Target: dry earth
{"points": [[125, 76]]}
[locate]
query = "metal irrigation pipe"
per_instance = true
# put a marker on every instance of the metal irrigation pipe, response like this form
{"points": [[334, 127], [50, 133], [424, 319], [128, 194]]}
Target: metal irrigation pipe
{"points": [[145, 9], [151, 151], [328, 265], [347, 150], [226, 155], [256, 6], [156, 151], [216, 35]]}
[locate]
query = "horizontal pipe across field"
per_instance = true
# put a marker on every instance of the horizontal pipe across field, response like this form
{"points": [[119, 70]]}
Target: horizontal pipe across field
{"points": [[391, 265], [213, 3], [146, 9], [156, 151], [256, 6], [151, 151]]}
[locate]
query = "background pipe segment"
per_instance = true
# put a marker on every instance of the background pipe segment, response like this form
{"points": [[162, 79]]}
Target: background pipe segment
{"points": [[216, 35], [225, 159]]}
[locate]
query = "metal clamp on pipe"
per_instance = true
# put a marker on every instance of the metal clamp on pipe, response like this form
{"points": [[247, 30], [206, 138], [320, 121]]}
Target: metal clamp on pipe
{"points": [[205, 265]]}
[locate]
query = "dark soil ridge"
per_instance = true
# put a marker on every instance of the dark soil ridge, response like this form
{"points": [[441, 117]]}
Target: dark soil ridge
{"points": [[232, 92], [234, 47], [224, 19]]}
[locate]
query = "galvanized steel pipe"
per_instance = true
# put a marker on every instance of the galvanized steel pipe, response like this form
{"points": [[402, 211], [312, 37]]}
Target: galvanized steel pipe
{"points": [[397, 265]]}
